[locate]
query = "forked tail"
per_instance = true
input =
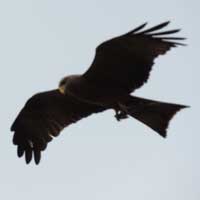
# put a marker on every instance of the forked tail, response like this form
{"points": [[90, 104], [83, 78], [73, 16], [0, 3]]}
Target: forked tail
{"points": [[154, 114]]}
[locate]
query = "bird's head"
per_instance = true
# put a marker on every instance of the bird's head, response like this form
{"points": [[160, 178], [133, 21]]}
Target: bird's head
{"points": [[66, 82], [62, 84]]}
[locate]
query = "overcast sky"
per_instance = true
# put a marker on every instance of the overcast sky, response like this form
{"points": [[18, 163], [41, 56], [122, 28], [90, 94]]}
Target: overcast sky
{"points": [[98, 158]]}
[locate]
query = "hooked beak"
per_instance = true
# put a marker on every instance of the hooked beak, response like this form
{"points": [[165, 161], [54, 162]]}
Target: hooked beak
{"points": [[62, 89]]}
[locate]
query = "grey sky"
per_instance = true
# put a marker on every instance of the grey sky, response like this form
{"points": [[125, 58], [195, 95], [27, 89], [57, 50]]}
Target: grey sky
{"points": [[40, 42]]}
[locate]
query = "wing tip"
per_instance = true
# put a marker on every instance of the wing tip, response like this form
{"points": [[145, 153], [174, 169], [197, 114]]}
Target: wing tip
{"points": [[138, 28], [155, 28], [37, 156]]}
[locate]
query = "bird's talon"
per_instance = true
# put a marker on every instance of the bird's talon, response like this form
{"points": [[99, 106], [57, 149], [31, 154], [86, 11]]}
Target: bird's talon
{"points": [[120, 115]]}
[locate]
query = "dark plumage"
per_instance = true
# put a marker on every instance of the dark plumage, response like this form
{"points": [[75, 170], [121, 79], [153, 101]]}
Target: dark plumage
{"points": [[120, 66], [43, 117]]}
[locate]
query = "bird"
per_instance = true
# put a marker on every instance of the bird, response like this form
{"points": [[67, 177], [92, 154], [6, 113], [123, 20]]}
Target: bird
{"points": [[121, 65]]}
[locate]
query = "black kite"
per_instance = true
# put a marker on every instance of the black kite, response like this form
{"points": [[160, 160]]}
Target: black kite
{"points": [[121, 65]]}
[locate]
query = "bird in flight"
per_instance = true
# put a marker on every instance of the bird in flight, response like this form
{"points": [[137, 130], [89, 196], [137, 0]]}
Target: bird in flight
{"points": [[121, 65]]}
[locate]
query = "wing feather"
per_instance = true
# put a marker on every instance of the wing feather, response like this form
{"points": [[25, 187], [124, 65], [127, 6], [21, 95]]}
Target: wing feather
{"points": [[155, 28], [125, 62], [137, 28], [43, 117]]}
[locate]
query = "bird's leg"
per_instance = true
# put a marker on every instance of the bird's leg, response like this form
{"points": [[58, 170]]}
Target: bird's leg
{"points": [[119, 115]]}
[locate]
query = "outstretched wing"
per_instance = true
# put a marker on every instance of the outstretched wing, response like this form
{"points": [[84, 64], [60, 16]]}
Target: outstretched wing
{"points": [[125, 62], [42, 118]]}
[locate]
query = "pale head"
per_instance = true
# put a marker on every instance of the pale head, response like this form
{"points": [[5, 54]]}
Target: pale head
{"points": [[62, 83], [65, 82]]}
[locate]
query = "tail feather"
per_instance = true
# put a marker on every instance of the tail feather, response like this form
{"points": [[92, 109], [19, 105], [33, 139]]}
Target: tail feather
{"points": [[154, 114]]}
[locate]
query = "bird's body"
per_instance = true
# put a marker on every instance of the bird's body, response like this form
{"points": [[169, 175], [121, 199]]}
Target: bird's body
{"points": [[121, 65], [83, 90]]}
